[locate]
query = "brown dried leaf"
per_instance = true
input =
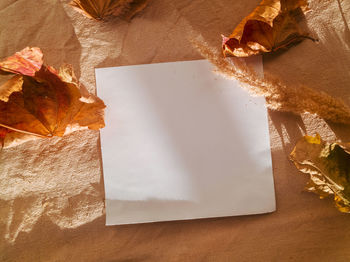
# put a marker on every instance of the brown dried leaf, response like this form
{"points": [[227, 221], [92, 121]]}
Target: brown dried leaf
{"points": [[273, 25], [102, 9], [328, 165], [43, 102]]}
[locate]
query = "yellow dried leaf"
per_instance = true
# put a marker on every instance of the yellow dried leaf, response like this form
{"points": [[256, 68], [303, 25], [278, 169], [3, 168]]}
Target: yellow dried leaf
{"points": [[274, 24], [328, 165], [101, 9]]}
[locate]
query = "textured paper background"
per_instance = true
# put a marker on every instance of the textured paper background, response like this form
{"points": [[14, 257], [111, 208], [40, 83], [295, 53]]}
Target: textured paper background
{"points": [[51, 191]]}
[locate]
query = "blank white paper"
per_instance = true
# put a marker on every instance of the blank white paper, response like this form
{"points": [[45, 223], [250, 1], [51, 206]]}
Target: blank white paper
{"points": [[181, 142]]}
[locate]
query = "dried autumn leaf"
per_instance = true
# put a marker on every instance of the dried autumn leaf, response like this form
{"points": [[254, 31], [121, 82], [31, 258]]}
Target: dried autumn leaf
{"points": [[26, 62], [101, 9], [328, 165], [274, 24], [40, 101], [3, 132]]}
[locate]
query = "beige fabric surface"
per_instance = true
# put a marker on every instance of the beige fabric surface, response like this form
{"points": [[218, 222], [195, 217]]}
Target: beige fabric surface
{"points": [[51, 191]]}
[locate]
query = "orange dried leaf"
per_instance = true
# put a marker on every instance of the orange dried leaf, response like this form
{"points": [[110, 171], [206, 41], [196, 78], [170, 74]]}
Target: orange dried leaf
{"points": [[25, 62], [328, 165], [14, 84], [273, 25], [46, 103], [101, 9]]}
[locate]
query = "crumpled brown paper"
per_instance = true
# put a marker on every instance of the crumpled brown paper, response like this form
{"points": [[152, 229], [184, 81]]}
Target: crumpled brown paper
{"points": [[51, 192]]}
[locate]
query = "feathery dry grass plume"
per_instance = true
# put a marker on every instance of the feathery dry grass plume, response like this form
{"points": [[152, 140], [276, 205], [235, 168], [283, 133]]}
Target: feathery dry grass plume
{"points": [[295, 99]]}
